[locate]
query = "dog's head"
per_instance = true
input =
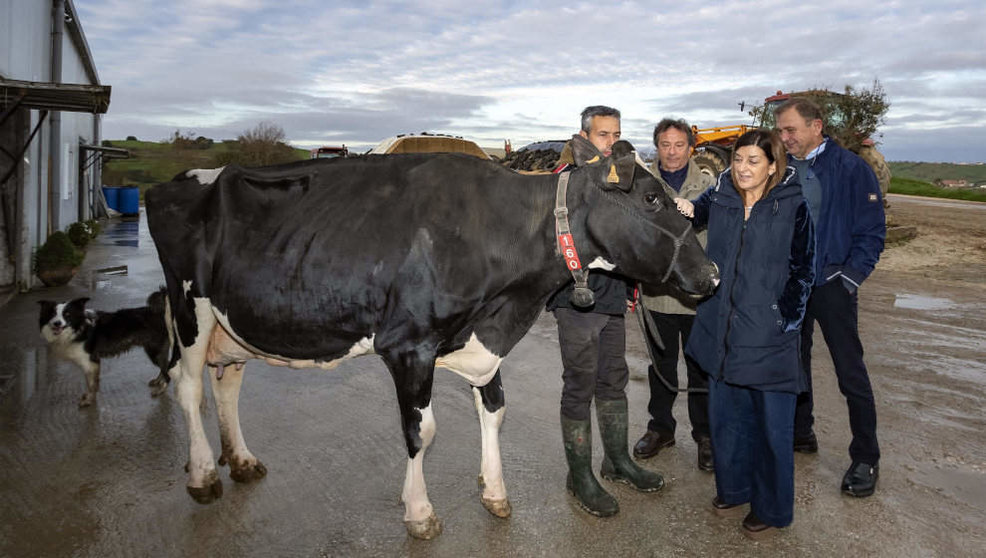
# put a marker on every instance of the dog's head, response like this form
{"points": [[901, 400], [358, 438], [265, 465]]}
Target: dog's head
{"points": [[63, 321]]}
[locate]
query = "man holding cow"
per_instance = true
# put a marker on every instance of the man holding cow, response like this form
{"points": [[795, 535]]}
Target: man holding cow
{"points": [[593, 342]]}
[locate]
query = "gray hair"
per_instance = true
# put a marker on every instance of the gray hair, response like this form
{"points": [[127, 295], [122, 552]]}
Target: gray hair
{"points": [[679, 125], [596, 110]]}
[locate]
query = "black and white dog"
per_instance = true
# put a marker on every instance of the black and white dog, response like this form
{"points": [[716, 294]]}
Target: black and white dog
{"points": [[85, 336]]}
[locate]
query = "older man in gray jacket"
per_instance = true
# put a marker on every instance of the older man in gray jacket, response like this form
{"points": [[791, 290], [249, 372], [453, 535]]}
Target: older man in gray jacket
{"points": [[674, 311]]}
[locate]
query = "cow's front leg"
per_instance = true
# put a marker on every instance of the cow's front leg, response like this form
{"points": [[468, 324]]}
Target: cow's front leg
{"points": [[490, 407], [413, 378], [203, 482], [226, 382]]}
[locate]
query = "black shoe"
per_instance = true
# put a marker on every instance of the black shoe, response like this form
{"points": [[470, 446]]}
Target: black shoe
{"points": [[756, 529], [725, 510], [806, 444], [705, 462], [651, 443], [860, 479]]}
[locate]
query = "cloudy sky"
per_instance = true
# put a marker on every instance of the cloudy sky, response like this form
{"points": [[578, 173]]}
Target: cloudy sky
{"points": [[331, 72]]}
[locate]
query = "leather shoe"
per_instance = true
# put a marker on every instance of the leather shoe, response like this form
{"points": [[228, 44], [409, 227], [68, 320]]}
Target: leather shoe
{"points": [[756, 529], [806, 444], [705, 462], [860, 479], [725, 510], [651, 443]]}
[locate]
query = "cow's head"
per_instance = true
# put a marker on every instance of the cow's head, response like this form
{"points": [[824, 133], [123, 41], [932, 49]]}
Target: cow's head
{"points": [[629, 223]]}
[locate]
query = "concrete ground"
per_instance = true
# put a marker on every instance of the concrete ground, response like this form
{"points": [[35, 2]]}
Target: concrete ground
{"points": [[108, 480]]}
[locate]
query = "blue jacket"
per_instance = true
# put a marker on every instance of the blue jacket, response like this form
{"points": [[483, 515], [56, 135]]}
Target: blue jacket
{"points": [[747, 333], [851, 226]]}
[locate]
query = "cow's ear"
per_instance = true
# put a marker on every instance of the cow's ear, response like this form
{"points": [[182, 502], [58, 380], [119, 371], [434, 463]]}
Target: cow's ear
{"points": [[624, 161], [583, 152]]}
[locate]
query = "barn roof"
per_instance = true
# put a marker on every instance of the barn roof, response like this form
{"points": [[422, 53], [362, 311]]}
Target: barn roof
{"points": [[72, 97]]}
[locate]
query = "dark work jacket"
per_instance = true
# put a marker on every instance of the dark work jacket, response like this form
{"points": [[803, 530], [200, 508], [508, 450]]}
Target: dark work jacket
{"points": [[748, 332]]}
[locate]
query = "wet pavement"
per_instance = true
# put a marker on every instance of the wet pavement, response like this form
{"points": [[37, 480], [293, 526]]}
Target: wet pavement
{"points": [[108, 480]]}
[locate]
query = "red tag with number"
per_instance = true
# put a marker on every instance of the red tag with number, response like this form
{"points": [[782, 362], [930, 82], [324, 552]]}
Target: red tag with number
{"points": [[567, 246]]}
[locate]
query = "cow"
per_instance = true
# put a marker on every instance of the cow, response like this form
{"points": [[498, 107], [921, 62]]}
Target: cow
{"points": [[427, 260]]}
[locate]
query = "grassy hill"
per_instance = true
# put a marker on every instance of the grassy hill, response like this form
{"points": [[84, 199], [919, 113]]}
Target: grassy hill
{"points": [[929, 172], [155, 162]]}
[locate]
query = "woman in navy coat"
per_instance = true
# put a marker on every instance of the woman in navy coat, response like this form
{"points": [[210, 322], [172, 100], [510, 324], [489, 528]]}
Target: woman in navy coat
{"points": [[746, 335]]}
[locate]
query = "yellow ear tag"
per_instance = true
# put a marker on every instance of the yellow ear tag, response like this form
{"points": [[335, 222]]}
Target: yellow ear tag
{"points": [[613, 178], [593, 160]]}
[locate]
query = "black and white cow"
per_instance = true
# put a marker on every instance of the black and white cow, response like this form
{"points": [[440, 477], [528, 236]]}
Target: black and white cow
{"points": [[424, 259]]}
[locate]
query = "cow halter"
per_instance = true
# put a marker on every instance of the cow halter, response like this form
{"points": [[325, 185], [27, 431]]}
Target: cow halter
{"points": [[582, 295]]}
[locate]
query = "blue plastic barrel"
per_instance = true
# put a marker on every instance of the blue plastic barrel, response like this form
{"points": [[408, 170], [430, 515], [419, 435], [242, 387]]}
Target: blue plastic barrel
{"points": [[129, 200], [112, 195]]}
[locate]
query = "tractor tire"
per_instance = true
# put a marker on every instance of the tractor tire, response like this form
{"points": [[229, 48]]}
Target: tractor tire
{"points": [[879, 165], [709, 161]]}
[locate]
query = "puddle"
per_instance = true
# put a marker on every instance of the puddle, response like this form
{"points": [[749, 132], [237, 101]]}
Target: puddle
{"points": [[920, 302], [24, 373], [102, 278]]}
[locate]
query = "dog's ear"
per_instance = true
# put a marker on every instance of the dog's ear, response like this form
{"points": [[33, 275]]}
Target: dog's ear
{"points": [[80, 301]]}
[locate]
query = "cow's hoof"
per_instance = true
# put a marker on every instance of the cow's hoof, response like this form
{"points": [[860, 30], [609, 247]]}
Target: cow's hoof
{"points": [[248, 472], [158, 387], [499, 508], [87, 399], [425, 529], [206, 494]]}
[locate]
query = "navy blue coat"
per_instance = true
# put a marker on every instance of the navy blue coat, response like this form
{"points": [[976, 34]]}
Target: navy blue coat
{"points": [[851, 226], [748, 332]]}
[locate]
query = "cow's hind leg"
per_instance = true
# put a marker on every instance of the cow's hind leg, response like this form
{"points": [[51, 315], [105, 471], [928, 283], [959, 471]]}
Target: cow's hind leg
{"points": [[490, 407], [413, 377], [243, 466], [203, 485]]}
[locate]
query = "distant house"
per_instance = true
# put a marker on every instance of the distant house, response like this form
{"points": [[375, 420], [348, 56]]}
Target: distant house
{"points": [[50, 106], [961, 183]]}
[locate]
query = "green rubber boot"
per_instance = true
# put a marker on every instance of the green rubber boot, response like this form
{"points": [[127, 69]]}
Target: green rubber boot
{"points": [[581, 483], [617, 465]]}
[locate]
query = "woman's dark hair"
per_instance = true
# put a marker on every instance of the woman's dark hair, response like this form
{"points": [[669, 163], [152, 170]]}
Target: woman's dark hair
{"points": [[769, 141]]}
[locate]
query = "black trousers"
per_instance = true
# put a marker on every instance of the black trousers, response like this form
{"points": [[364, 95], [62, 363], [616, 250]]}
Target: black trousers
{"points": [[835, 310], [592, 354], [674, 328]]}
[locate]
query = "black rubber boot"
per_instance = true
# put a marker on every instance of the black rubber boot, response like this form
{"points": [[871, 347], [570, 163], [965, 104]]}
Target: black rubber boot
{"points": [[617, 465], [577, 435]]}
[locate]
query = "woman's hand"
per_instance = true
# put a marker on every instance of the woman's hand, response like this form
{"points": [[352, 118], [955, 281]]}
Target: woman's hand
{"points": [[685, 207]]}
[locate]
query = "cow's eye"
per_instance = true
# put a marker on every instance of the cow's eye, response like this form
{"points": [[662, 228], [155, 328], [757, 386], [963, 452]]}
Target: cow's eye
{"points": [[651, 198]]}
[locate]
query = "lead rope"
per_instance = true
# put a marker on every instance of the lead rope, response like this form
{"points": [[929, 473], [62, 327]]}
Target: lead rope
{"points": [[649, 330]]}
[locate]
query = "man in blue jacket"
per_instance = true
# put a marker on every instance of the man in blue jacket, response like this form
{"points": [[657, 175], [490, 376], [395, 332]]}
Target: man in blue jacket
{"points": [[843, 197]]}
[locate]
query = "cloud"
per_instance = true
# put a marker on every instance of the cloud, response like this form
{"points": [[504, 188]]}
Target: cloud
{"points": [[362, 71]]}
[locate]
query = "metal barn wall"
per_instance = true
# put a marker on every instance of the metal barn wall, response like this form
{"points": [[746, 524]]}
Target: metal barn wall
{"points": [[49, 175]]}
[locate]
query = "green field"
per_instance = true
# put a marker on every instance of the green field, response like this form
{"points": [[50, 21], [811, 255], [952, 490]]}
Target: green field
{"points": [[929, 172], [910, 187], [151, 163]]}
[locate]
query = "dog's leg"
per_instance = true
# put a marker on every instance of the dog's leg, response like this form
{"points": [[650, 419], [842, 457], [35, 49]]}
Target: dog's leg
{"points": [[91, 370], [243, 465], [159, 384]]}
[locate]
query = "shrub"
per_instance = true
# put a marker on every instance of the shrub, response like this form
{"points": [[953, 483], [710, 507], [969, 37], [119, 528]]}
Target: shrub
{"points": [[94, 228], [78, 233], [58, 251]]}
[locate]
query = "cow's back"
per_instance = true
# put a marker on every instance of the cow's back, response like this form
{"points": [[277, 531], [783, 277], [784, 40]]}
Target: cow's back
{"points": [[331, 249]]}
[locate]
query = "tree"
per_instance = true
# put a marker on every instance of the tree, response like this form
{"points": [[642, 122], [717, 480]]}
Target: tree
{"points": [[259, 146], [851, 117]]}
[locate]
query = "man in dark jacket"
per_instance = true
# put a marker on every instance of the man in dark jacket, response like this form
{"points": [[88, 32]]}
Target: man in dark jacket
{"points": [[593, 342], [843, 196]]}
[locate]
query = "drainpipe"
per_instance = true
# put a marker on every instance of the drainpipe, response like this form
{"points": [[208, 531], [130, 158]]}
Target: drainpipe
{"points": [[55, 140]]}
